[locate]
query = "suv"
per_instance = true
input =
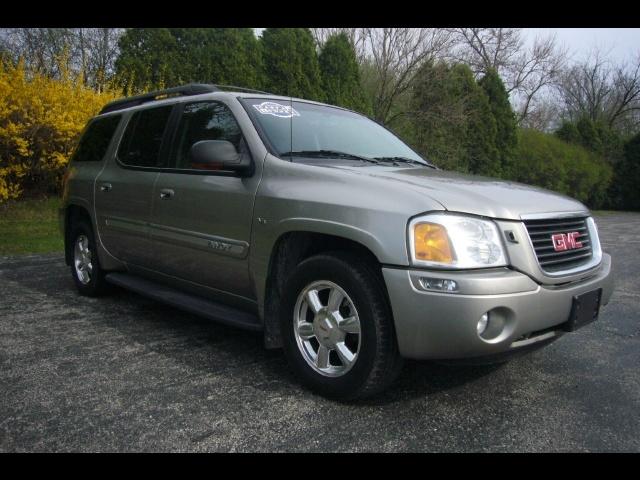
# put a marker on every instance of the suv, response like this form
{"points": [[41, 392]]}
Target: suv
{"points": [[321, 229]]}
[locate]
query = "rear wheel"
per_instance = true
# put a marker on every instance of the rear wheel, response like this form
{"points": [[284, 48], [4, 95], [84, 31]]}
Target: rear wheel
{"points": [[337, 328], [85, 265]]}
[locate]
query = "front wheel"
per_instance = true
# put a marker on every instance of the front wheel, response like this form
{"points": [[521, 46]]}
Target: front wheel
{"points": [[337, 327]]}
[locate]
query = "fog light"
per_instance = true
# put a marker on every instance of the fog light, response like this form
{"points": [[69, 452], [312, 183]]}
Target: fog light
{"points": [[483, 323], [439, 284]]}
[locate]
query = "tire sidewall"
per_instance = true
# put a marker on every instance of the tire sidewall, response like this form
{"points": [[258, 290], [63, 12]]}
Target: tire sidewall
{"points": [[94, 285], [336, 271]]}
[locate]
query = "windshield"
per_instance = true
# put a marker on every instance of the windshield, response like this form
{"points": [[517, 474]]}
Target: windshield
{"points": [[301, 127]]}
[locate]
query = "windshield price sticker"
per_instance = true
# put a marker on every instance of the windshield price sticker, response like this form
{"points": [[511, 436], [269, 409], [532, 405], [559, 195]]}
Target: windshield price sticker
{"points": [[277, 110]]}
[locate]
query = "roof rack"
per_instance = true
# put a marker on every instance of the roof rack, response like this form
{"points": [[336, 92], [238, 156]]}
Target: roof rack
{"points": [[184, 90], [233, 88], [190, 89]]}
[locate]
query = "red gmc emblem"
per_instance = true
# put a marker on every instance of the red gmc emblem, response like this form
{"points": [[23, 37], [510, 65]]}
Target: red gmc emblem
{"points": [[565, 241]]}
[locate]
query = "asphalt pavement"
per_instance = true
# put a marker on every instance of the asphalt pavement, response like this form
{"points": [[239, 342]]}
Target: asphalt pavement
{"points": [[123, 373]]}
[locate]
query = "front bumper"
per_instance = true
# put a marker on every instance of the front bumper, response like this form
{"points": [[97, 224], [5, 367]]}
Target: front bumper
{"points": [[432, 325]]}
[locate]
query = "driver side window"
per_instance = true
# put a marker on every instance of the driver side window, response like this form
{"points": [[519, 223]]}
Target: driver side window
{"points": [[207, 120]]}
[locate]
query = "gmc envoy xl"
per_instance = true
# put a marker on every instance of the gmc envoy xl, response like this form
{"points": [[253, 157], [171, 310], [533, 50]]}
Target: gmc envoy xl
{"points": [[321, 229]]}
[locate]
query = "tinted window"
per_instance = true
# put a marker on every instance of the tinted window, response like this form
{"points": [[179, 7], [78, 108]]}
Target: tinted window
{"points": [[142, 139], [95, 140], [204, 121]]}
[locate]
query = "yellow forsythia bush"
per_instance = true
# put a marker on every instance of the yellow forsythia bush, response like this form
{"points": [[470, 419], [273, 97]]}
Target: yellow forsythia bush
{"points": [[40, 122]]}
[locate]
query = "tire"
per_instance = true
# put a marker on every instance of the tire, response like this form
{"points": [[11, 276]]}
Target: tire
{"points": [[94, 283], [374, 362]]}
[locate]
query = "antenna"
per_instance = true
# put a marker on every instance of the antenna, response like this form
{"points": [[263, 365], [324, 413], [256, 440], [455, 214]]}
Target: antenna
{"points": [[291, 121]]}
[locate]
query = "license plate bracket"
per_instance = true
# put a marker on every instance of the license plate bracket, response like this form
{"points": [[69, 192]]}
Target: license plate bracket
{"points": [[584, 310]]}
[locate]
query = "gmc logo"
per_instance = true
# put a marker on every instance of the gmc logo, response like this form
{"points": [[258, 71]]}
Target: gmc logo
{"points": [[565, 241]]}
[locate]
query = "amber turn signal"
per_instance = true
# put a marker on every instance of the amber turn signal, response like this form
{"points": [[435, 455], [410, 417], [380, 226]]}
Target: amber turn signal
{"points": [[431, 243]]}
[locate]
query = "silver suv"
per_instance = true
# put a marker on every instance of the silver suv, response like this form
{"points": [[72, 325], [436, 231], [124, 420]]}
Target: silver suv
{"points": [[323, 230]]}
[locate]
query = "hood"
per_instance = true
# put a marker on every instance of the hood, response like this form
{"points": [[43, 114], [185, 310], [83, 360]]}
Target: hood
{"points": [[473, 194]]}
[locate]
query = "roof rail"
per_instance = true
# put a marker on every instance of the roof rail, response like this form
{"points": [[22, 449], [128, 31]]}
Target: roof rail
{"points": [[184, 90], [189, 89], [241, 89]]}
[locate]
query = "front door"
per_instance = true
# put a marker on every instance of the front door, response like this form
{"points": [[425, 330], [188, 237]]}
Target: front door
{"points": [[201, 220]]}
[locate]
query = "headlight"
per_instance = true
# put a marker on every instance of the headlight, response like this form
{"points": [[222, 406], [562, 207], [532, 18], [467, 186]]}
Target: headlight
{"points": [[455, 241]]}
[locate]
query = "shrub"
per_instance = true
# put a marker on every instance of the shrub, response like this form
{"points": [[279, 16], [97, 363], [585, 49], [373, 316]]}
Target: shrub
{"points": [[547, 161], [40, 121]]}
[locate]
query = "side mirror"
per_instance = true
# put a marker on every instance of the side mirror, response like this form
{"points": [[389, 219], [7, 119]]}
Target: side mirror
{"points": [[218, 155]]}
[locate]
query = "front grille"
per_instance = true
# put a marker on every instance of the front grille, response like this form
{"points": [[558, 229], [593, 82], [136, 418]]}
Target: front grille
{"points": [[540, 232]]}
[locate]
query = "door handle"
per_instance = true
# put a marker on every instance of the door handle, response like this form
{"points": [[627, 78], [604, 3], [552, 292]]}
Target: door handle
{"points": [[106, 187], [166, 194]]}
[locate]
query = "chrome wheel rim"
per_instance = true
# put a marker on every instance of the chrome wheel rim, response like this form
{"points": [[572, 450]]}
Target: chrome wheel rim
{"points": [[327, 328], [82, 259]]}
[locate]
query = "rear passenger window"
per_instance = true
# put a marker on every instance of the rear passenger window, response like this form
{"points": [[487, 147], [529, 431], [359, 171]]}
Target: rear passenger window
{"points": [[96, 139], [204, 121], [141, 142]]}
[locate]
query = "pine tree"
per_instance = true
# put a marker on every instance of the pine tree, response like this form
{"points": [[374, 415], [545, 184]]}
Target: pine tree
{"points": [[340, 74], [153, 58], [481, 128], [147, 60], [228, 56], [505, 119], [568, 132], [290, 63], [629, 178], [452, 122]]}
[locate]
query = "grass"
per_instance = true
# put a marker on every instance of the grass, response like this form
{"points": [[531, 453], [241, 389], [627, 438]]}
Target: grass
{"points": [[30, 226]]}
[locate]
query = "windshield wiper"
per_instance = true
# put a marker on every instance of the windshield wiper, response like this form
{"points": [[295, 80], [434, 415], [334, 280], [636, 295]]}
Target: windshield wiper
{"points": [[328, 154], [406, 160]]}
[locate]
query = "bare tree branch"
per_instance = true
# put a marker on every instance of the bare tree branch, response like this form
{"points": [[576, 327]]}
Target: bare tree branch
{"points": [[90, 51], [395, 54], [596, 89], [526, 71]]}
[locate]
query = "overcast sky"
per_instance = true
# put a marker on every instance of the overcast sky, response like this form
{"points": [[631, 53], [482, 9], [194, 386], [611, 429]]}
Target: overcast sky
{"points": [[623, 43]]}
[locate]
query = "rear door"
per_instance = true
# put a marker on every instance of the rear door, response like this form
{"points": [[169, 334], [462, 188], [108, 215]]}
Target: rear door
{"points": [[124, 189], [201, 222]]}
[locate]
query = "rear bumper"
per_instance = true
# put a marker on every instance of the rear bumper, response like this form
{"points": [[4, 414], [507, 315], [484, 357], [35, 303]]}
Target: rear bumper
{"points": [[432, 325]]}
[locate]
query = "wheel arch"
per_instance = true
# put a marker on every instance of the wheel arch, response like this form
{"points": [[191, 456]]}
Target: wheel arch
{"points": [[289, 249]]}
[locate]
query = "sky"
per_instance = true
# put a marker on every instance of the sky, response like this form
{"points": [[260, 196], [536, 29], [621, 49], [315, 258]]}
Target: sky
{"points": [[623, 44]]}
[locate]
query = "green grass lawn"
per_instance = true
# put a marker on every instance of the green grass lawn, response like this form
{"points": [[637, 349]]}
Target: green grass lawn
{"points": [[30, 226]]}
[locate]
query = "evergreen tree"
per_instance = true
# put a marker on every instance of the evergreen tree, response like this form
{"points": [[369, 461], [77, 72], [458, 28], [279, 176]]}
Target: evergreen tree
{"points": [[227, 56], [437, 122], [153, 58], [629, 177], [589, 135], [147, 60], [452, 123], [506, 125], [569, 133], [341, 75], [481, 129], [290, 63]]}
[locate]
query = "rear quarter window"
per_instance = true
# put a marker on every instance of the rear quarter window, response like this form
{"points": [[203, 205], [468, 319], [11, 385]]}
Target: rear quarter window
{"points": [[96, 138]]}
